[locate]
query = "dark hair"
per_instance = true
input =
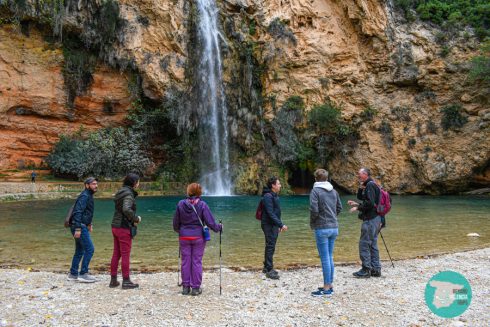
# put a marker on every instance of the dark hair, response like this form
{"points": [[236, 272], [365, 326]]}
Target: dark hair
{"points": [[130, 180], [271, 181]]}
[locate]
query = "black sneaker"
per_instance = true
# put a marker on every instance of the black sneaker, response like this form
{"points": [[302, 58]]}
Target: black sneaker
{"points": [[375, 273], [186, 290], [196, 291], [272, 274], [363, 273]]}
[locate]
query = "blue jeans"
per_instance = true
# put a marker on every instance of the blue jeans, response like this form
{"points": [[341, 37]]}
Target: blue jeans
{"points": [[83, 248], [325, 240]]}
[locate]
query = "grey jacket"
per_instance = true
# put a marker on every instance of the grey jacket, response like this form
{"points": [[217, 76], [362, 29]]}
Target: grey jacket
{"points": [[325, 205]]}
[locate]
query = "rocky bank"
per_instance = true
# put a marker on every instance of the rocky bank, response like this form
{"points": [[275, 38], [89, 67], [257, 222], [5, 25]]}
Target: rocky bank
{"points": [[248, 299]]}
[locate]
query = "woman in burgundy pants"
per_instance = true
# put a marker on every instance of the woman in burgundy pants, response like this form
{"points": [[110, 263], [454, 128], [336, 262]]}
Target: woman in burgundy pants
{"points": [[124, 217]]}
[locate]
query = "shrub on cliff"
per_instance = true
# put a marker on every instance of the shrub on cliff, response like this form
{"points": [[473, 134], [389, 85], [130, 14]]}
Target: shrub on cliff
{"points": [[452, 117], [451, 14], [279, 30], [331, 133], [480, 66], [107, 153]]}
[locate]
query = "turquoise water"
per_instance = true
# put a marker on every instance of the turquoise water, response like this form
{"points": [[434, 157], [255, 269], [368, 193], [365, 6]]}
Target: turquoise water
{"points": [[32, 233]]}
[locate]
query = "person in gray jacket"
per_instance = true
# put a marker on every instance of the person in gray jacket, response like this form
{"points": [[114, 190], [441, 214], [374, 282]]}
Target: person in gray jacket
{"points": [[325, 206]]}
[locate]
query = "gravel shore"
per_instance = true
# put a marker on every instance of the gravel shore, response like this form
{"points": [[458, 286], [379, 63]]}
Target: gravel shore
{"points": [[248, 299]]}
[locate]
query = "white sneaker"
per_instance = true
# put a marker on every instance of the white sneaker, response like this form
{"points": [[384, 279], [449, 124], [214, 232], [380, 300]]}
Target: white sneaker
{"points": [[71, 277], [86, 278]]}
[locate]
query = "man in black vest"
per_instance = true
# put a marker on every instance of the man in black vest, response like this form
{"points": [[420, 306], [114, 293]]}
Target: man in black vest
{"points": [[368, 193]]}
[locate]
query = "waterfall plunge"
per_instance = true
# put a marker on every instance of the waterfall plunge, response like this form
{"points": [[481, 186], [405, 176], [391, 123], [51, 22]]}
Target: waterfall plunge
{"points": [[215, 173]]}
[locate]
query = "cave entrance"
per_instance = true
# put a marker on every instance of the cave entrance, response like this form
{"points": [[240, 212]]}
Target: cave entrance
{"points": [[301, 181]]}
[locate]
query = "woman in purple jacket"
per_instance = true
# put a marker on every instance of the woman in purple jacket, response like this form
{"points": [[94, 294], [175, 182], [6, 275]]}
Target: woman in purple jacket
{"points": [[189, 218]]}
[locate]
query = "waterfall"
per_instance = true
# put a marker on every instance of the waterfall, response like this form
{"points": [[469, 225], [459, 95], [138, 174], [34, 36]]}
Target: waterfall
{"points": [[215, 170]]}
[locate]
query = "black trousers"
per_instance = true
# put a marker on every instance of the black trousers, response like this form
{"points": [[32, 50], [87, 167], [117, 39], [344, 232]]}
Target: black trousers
{"points": [[271, 232]]}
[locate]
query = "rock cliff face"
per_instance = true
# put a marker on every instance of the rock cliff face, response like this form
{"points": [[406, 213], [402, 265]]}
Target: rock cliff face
{"points": [[33, 111], [357, 53]]}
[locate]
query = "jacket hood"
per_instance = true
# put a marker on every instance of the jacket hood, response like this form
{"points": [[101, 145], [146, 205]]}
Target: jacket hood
{"points": [[325, 185], [187, 206], [266, 190], [125, 191]]}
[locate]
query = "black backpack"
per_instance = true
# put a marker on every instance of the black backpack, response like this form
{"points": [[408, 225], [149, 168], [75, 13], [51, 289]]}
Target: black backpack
{"points": [[69, 216]]}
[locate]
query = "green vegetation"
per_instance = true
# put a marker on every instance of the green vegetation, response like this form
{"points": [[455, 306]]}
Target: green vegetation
{"points": [[147, 121], [452, 117], [157, 127], [105, 25], [77, 70], [451, 14], [387, 133], [368, 113], [401, 113], [108, 153], [279, 30], [333, 134], [252, 29], [480, 66]]}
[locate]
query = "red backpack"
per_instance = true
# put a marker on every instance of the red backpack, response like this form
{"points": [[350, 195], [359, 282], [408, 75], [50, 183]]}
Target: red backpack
{"points": [[258, 212], [384, 202]]}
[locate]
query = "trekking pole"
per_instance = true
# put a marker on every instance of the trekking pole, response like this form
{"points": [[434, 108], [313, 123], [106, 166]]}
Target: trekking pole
{"points": [[386, 248], [178, 270], [220, 257]]}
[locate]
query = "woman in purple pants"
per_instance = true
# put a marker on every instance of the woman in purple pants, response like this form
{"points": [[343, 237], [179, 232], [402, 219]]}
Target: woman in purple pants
{"points": [[190, 216]]}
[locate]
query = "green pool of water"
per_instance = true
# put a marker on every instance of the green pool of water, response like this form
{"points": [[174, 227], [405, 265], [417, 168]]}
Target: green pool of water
{"points": [[32, 233]]}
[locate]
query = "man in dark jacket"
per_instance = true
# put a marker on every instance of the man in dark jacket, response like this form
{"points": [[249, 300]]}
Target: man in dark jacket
{"points": [[81, 227], [368, 193], [271, 224]]}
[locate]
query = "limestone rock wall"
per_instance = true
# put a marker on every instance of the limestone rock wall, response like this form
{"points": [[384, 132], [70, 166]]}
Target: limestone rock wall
{"points": [[33, 111], [357, 53]]}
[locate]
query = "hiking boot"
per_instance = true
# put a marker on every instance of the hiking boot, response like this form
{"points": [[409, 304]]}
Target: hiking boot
{"points": [[114, 282], [186, 290], [86, 278], [375, 273], [322, 292], [71, 277], [272, 274], [363, 273], [196, 291], [128, 284]]}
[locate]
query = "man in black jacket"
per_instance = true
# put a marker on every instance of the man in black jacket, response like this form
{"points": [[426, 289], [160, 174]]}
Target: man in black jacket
{"points": [[271, 224], [368, 193], [81, 227]]}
